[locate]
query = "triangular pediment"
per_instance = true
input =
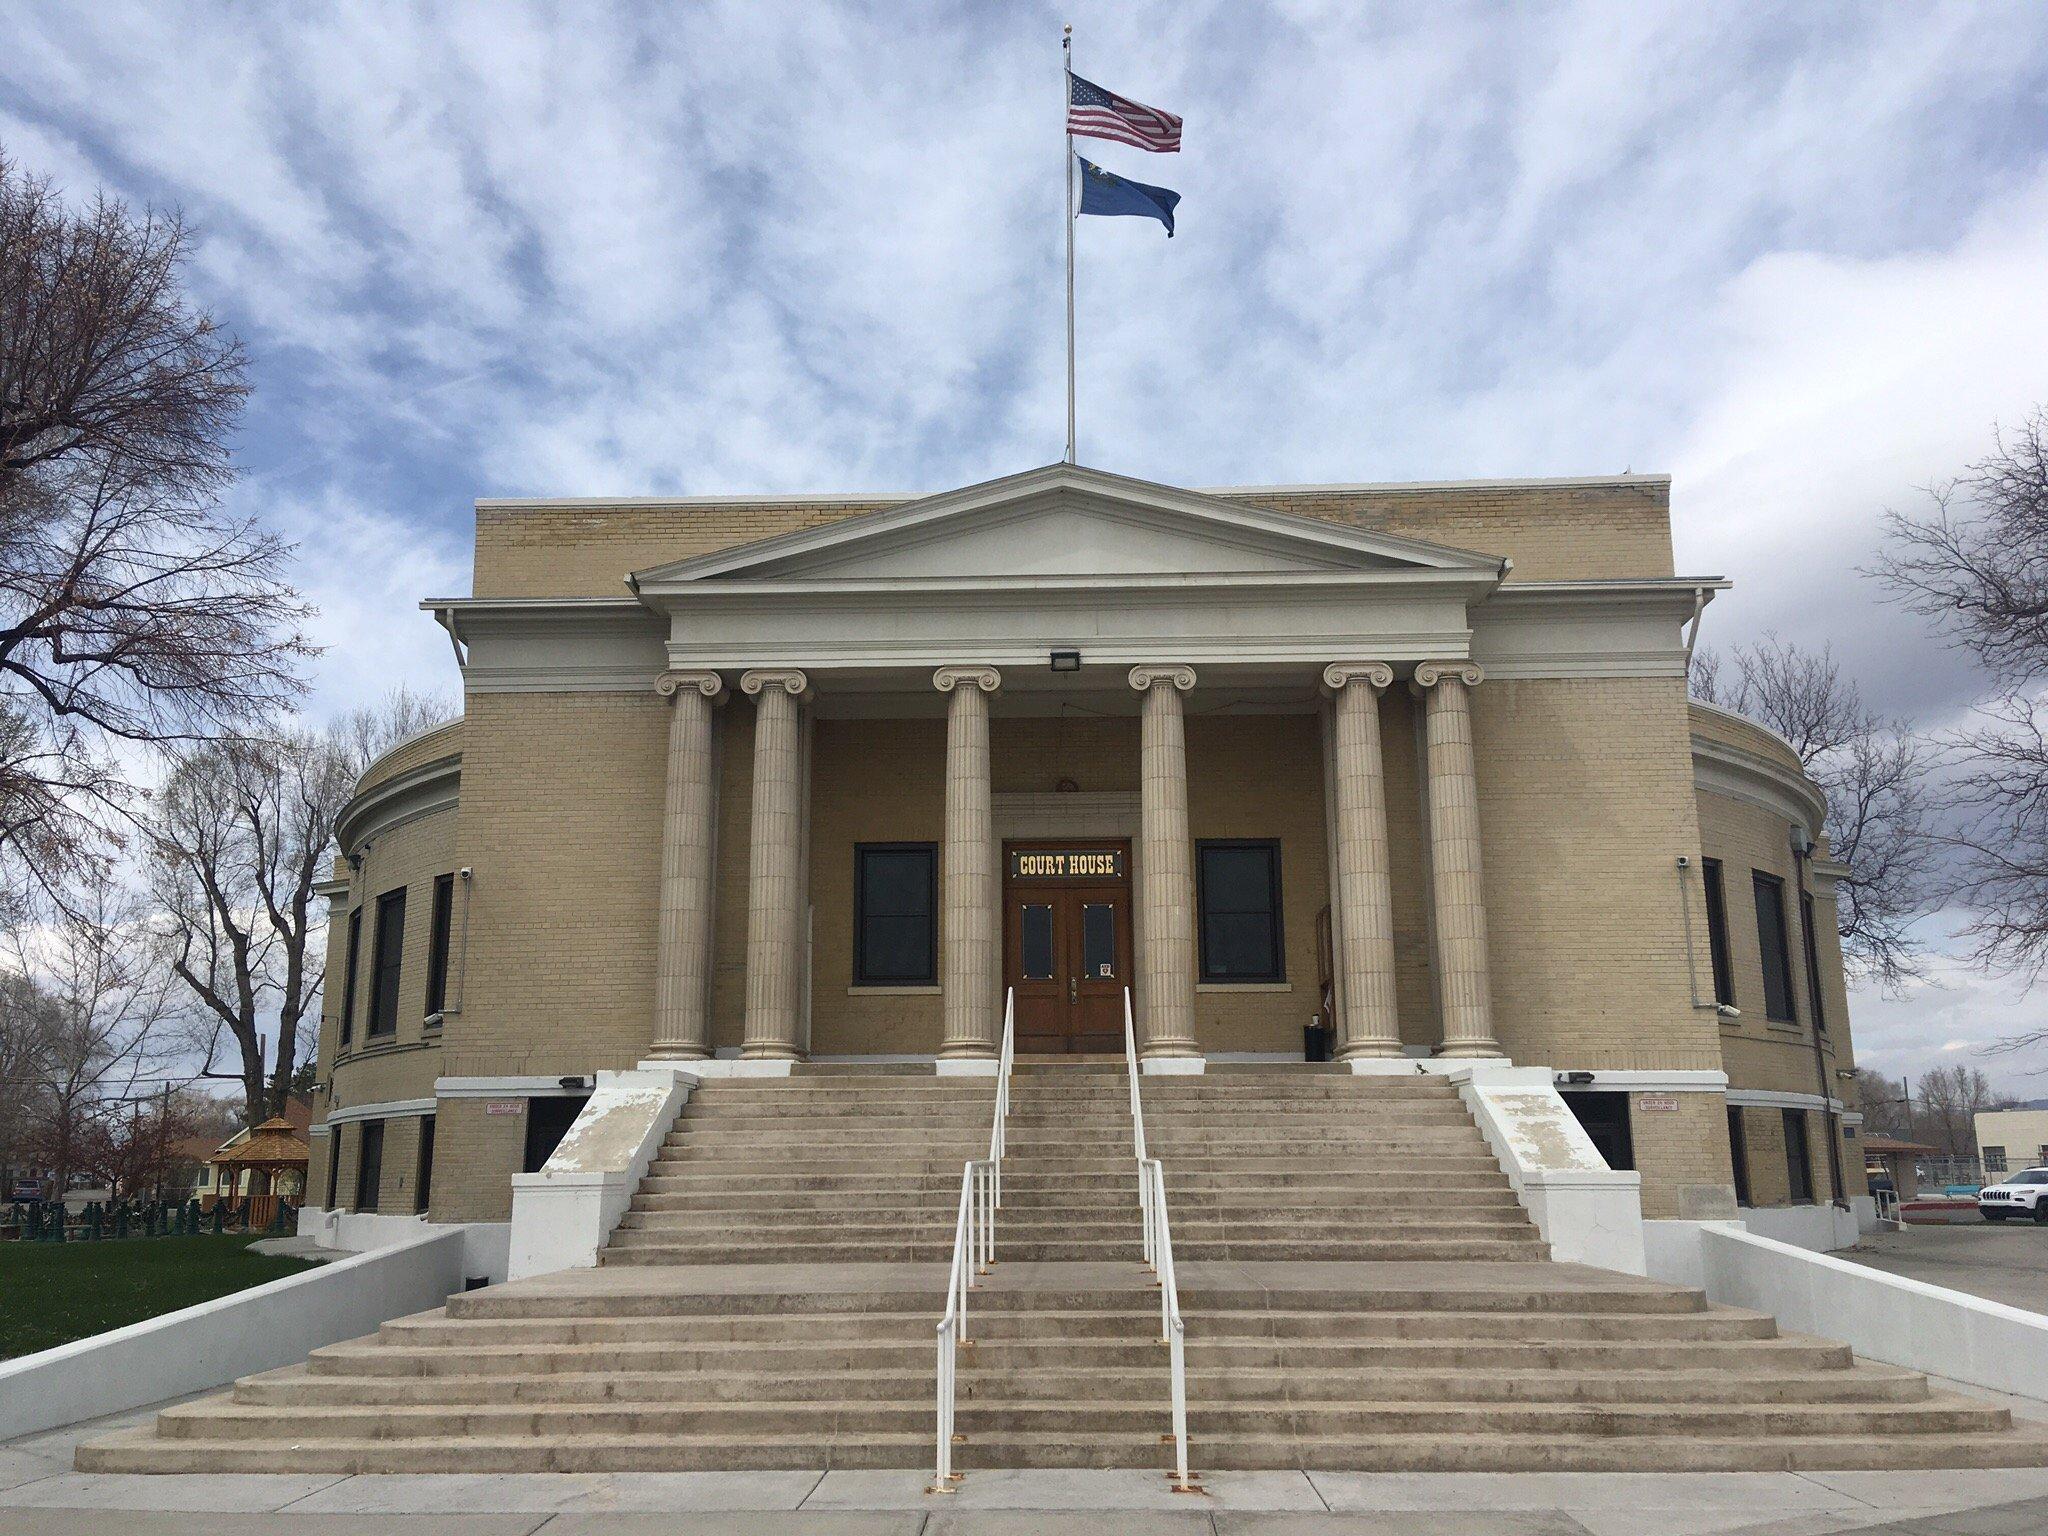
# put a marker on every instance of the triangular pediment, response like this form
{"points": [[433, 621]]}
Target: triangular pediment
{"points": [[1065, 522]]}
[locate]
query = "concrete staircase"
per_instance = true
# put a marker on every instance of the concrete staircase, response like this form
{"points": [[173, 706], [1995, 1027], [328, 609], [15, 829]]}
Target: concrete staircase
{"points": [[1362, 1291]]}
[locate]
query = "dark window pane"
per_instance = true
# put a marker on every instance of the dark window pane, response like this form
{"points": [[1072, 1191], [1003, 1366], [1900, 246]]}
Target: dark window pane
{"points": [[1812, 950], [333, 1162], [348, 980], [1770, 938], [369, 1164], [1717, 932], [547, 1122], [1240, 901], [423, 1186], [390, 952], [1037, 943], [1098, 940], [1738, 1154], [896, 913], [1798, 1157], [437, 944]]}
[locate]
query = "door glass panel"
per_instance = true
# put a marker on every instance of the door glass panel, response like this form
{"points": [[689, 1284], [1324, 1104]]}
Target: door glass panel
{"points": [[1098, 940], [1037, 943]]}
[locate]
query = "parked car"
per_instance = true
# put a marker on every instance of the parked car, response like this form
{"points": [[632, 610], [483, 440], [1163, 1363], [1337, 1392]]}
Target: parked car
{"points": [[2024, 1194]]}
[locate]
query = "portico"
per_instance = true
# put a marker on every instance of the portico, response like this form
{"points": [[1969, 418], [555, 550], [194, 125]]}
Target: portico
{"points": [[1158, 603]]}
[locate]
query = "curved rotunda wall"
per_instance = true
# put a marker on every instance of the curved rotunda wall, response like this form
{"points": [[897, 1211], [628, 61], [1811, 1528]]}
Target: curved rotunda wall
{"points": [[398, 832], [1752, 795]]}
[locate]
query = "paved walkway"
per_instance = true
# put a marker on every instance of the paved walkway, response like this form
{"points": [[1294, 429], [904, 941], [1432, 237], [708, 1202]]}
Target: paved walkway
{"points": [[41, 1496], [2006, 1262]]}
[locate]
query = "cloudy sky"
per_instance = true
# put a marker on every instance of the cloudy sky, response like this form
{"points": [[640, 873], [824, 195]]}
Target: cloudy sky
{"points": [[1791, 255]]}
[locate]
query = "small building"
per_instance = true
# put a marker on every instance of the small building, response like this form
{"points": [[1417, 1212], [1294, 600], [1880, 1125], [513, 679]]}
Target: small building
{"points": [[258, 1162], [1887, 1157], [2011, 1139]]}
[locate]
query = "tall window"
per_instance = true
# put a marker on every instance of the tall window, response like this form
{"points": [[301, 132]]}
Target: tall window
{"points": [[423, 1184], [437, 946], [895, 914], [384, 965], [348, 977], [1994, 1159], [1238, 890], [1798, 1157], [1717, 932], [1738, 1154], [1771, 940], [333, 1163], [1812, 950], [369, 1163]]}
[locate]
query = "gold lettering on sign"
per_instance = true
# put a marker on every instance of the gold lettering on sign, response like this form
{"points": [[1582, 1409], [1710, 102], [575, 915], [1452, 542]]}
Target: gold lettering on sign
{"points": [[1090, 864]]}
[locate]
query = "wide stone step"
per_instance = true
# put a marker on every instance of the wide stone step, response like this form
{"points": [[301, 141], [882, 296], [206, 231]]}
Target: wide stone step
{"points": [[1454, 1326], [1190, 1229], [1075, 1377], [710, 1339], [140, 1451], [675, 1177], [215, 1419]]}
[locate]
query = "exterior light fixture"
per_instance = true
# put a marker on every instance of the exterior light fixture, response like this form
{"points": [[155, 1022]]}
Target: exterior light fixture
{"points": [[1066, 661]]}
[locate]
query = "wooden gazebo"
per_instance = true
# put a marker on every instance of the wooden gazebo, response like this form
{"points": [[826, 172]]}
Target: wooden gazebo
{"points": [[270, 1152]]}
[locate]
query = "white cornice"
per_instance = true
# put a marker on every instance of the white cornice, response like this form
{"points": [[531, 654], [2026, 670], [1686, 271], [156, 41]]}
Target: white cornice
{"points": [[421, 791], [390, 1109], [1721, 769]]}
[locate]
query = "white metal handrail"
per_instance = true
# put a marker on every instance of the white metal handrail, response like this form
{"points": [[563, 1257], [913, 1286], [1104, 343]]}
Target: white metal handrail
{"points": [[974, 1245], [1158, 1251]]}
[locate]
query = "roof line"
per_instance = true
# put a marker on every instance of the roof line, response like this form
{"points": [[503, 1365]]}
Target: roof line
{"points": [[885, 498]]}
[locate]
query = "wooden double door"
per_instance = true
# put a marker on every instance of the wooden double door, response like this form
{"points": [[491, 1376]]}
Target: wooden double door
{"points": [[1067, 943]]}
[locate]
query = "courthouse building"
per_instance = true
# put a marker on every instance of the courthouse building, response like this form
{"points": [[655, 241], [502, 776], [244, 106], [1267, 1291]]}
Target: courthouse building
{"points": [[771, 784]]}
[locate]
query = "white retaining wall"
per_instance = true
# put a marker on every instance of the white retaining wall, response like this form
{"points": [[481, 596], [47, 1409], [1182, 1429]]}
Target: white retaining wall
{"points": [[563, 1215], [209, 1345], [1882, 1317]]}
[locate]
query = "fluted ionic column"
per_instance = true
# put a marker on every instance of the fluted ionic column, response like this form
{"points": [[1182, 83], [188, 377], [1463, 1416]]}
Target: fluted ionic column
{"points": [[970, 934], [1167, 871], [1461, 974], [775, 899], [1366, 1024], [682, 965]]}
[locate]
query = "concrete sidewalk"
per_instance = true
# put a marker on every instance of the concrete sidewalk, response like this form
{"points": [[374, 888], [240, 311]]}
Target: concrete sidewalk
{"points": [[41, 1496]]}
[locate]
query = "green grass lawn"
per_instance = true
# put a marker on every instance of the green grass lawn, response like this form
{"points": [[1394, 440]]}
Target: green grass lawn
{"points": [[51, 1294]]}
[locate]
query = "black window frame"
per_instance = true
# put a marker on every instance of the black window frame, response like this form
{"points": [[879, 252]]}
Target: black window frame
{"points": [[1276, 898], [1719, 956], [1738, 1154], [369, 1191], [334, 1164], [348, 977], [386, 972], [1776, 943], [437, 948], [1810, 947], [929, 974], [1799, 1162], [423, 1167]]}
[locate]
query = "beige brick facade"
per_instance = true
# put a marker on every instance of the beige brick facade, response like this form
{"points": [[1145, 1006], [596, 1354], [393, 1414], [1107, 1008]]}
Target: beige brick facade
{"points": [[1589, 783]]}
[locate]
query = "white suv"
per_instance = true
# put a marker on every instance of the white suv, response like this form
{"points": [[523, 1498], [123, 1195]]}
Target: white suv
{"points": [[2024, 1194]]}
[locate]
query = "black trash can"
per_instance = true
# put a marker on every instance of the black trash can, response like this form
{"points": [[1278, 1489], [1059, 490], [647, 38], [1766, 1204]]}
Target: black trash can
{"points": [[1315, 1041]]}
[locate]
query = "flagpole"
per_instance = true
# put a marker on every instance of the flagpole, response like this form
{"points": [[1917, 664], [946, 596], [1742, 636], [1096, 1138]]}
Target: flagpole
{"points": [[1067, 177]]}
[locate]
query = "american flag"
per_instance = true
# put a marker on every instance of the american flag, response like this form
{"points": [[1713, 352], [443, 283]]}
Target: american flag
{"points": [[1095, 113]]}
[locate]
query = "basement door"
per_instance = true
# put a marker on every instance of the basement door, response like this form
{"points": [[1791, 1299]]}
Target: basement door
{"points": [[1067, 943]]}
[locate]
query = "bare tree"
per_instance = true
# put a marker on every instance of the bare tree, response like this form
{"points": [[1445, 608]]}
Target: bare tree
{"points": [[239, 835], [132, 609], [1874, 774], [1947, 1104], [1977, 566], [104, 999], [1882, 1102]]}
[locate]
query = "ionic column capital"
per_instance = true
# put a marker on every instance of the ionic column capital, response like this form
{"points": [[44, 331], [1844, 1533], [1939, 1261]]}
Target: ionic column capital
{"points": [[675, 681], [1429, 673], [987, 679], [1181, 678], [788, 679], [1377, 674]]}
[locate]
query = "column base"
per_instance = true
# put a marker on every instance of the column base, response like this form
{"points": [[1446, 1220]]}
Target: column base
{"points": [[1370, 1050], [672, 1054], [967, 1066], [1471, 1050], [1192, 1065]]}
